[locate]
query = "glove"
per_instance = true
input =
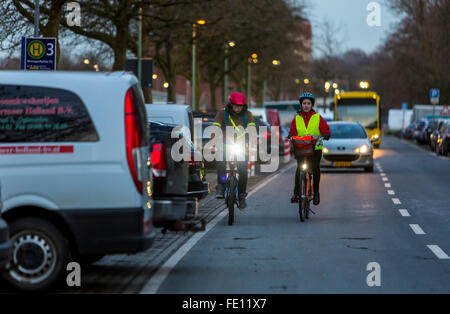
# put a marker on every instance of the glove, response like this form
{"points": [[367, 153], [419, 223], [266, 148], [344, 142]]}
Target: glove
{"points": [[326, 136]]}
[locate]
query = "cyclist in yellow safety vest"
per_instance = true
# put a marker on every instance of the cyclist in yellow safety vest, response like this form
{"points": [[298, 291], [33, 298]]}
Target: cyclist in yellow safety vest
{"points": [[309, 122], [235, 114]]}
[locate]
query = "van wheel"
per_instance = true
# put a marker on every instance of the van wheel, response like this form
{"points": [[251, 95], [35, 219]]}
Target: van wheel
{"points": [[40, 255]]}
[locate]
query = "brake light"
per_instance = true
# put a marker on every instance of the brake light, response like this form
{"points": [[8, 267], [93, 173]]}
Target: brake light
{"points": [[158, 160], [132, 138]]}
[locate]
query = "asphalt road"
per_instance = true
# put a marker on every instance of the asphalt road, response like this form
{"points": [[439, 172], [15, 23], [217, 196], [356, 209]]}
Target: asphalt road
{"points": [[358, 222]]}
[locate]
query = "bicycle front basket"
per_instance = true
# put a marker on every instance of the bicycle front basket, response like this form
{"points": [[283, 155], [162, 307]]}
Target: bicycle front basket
{"points": [[303, 145]]}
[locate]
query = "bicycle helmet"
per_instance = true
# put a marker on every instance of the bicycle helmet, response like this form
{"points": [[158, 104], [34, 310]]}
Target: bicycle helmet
{"points": [[238, 99], [307, 96]]}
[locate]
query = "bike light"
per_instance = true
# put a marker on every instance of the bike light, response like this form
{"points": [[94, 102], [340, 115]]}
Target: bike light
{"points": [[375, 137], [235, 149], [325, 150], [304, 166]]}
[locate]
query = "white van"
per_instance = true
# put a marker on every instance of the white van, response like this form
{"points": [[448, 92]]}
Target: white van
{"points": [[74, 172]]}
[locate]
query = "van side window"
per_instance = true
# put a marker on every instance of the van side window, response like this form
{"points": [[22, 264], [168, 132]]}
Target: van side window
{"points": [[41, 114]]}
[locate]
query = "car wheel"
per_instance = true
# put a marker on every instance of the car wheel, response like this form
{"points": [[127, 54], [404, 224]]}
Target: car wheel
{"points": [[40, 255], [368, 169]]}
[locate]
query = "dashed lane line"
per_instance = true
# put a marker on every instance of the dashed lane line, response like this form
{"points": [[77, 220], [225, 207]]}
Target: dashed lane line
{"points": [[438, 251], [404, 213], [417, 229]]}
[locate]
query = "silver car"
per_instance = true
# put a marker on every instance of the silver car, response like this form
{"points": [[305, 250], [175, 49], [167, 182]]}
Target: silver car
{"points": [[348, 147]]}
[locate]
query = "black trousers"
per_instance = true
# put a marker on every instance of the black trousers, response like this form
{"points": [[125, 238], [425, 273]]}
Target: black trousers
{"points": [[314, 163], [242, 171]]}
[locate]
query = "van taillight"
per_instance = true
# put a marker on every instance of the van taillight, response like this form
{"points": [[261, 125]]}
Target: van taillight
{"points": [[132, 138], [159, 160]]}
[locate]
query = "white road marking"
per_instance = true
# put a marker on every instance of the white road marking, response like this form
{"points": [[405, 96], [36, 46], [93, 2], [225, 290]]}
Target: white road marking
{"points": [[396, 201], [390, 192], [416, 228], [404, 213], [443, 158], [382, 174], [387, 185], [438, 251], [152, 286], [384, 179]]}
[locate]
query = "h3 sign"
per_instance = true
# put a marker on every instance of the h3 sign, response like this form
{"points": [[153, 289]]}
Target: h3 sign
{"points": [[38, 54], [434, 96]]}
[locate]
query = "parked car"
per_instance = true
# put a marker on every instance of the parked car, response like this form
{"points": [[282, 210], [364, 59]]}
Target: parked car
{"points": [[418, 128], [349, 147], [5, 242], [424, 136], [181, 115], [443, 139], [73, 170], [170, 180], [408, 131], [434, 135]]}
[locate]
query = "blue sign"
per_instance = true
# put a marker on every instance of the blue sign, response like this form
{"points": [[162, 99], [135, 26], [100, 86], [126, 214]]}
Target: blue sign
{"points": [[434, 93], [404, 105], [38, 54]]}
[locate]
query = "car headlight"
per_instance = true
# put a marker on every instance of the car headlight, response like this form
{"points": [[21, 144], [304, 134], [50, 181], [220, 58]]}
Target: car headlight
{"points": [[362, 149], [325, 150]]}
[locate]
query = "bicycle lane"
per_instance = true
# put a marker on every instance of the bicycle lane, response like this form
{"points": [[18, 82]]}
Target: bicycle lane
{"points": [[268, 250]]}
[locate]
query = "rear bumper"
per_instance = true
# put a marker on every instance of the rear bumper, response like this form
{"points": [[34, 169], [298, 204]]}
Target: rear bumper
{"points": [[167, 209], [109, 231]]}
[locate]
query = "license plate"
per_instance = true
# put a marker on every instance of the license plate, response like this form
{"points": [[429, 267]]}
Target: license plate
{"points": [[341, 164]]}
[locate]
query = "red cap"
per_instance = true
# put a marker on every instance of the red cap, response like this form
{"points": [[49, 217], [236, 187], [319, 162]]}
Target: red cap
{"points": [[238, 99]]}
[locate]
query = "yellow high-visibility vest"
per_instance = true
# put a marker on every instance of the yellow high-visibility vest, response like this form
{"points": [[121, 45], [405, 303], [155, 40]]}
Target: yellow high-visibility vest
{"points": [[313, 127]]}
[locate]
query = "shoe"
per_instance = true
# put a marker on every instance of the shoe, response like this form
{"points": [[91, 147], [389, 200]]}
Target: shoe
{"points": [[295, 198], [316, 199], [220, 191], [242, 203]]}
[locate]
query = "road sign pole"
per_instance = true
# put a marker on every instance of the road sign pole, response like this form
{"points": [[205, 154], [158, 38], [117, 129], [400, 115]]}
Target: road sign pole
{"points": [[36, 18]]}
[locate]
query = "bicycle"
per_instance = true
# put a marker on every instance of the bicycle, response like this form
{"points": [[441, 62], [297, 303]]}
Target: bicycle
{"points": [[303, 148]]}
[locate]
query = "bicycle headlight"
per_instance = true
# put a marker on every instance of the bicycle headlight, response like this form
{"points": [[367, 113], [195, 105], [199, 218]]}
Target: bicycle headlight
{"points": [[304, 166], [325, 150], [375, 137], [235, 149], [362, 149]]}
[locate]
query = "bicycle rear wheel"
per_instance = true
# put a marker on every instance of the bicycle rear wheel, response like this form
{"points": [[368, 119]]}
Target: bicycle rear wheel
{"points": [[302, 192], [231, 187], [308, 194]]}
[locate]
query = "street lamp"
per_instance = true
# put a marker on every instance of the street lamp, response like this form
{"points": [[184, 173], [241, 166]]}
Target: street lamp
{"points": [[194, 35], [253, 59], [364, 84], [228, 45]]}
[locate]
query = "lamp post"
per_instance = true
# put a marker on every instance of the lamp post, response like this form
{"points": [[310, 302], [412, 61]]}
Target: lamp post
{"points": [[228, 45], [194, 35]]}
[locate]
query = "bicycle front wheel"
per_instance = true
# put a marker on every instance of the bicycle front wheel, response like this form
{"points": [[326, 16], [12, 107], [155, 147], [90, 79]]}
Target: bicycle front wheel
{"points": [[303, 201], [231, 187]]}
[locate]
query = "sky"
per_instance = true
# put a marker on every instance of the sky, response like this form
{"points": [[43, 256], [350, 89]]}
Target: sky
{"points": [[350, 17]]}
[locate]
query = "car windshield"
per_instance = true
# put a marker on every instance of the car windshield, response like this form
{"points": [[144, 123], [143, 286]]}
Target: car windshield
{"points": [[347, 131]]}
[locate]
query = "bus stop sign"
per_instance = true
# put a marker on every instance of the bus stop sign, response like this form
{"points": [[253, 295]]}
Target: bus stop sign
{"points": [[38, 54]]}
